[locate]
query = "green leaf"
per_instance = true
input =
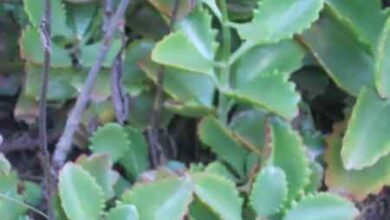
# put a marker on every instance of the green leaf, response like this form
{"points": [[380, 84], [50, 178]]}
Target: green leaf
{"points": [[167, 7], [249, 128], [281, 19], [365, 17], [213, 7], [35, 9], [366, 140], [89, 53], [32, 194], [218, 168], [221, 141], [289, 155], [111, 139], [355, 184], [80, 17], [134, 79], [219, 194], [192, 47], [123, 212], [316, 177], [271, 91], [322, 206], [31, 49], [135, 160], [347, 61], [199, 211], [81, 196], [166, 198], [99, 166], [269, 191], [382, 66], [60, 87], [188, 89], [284, 57]]}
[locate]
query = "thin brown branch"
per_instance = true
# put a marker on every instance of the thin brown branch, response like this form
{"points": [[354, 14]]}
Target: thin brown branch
{"points": [[156, 150], [65, 143], [44, 151]]}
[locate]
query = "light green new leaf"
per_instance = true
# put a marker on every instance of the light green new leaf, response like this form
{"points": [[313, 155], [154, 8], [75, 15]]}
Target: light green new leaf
{"points": [[99, 166], [355, 184], [81, 196], [284, 57], [191, 47], [289, 155], [219, 194], [35, 8], [31, 49], [275, 20], [322, 206], [347, 61], [382, 64], [365, 17], [112, 139], [366, 140], [269, 191], [271, 91], [135, 160], [5, 165], [163, 199], [221, 141], [123, 212]]}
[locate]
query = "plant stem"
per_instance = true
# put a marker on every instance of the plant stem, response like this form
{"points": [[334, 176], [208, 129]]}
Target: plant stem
{"points": [[44, 151], [65, 143], [224, 104], [156, 151]]}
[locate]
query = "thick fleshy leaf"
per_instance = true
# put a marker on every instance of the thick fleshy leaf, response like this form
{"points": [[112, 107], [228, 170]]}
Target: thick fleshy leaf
{"points": [[347, 61], [80, 17], [136, 160], [218, 168], [111, 139], [365, 17], [322, 206], [166, 198], [221, 141], [199, 211], [284, 57], [316, 177], [34, 9], [289, 155], [134, 79], [219, 194], [275, 20], [249, 128], [355, 184], [99, 166], [123, 212], [212, 4], [191, 47], [269, 191], [81, 196], [186, 88], [89, 53], [382, 64], [271, 91], [5, 165], [366, 140], [167, 7], [31, 49], [59, 87]]}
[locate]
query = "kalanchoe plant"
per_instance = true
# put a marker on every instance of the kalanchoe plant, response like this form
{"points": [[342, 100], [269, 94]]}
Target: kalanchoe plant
{"points": [[249, 72]]}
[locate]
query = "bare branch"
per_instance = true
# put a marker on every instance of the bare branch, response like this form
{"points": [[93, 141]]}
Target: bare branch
{"points": [[156, 151], [44, 151], [65, 143]]}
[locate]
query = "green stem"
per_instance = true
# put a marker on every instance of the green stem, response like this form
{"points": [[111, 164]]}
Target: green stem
{"points": [[224, 104]]}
